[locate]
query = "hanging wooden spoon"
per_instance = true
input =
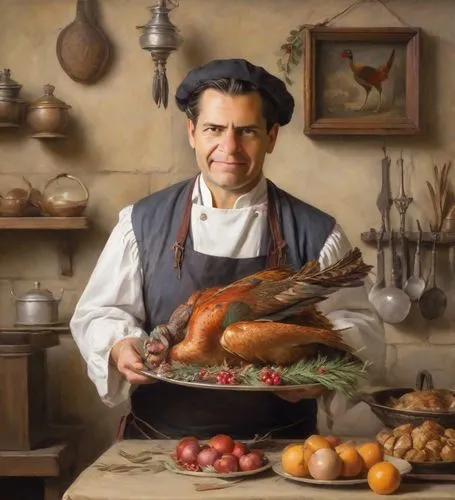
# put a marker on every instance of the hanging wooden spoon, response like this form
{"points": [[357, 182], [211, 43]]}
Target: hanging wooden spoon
{"points": [[82, 48]]}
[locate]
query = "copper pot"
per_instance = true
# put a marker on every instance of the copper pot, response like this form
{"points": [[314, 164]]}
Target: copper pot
{"points": [[48, 116], [66, 201], [15, 201], [11, 105]]}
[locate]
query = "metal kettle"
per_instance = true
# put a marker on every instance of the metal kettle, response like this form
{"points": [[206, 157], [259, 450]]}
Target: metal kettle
{"points": [[37, 307]]}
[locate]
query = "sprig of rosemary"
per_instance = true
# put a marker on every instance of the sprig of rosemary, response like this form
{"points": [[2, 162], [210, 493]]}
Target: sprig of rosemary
{"points": [[339, 374]]}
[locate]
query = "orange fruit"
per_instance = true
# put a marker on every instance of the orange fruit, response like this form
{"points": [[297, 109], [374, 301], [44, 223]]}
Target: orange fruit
{"points": [[293, 460], [371, 453], [314, 443], [384, 478], [352, 463], [341, 446]]}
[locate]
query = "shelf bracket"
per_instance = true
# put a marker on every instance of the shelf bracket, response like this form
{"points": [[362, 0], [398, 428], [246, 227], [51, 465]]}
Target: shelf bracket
{"points": [[65, 253]]}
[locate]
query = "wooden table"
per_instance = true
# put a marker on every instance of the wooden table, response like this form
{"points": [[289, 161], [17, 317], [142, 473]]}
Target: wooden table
{"points": [[114, 477]]}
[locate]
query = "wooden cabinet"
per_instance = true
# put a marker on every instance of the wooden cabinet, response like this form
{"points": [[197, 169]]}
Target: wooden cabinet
{"points": [[23, 389]]}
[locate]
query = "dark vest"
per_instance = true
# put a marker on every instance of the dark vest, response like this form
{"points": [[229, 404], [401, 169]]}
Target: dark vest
{"points": [[174, 410]]}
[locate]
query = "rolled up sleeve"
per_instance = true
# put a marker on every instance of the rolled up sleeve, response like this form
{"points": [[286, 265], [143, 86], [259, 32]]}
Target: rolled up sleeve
{"points": [[111, 308]]}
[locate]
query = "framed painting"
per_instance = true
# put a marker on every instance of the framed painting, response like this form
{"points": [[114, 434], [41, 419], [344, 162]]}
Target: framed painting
{"points": [[361, 81]]}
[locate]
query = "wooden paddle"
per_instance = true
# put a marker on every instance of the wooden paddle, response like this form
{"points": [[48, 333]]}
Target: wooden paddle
{"points": [[83, 50]]}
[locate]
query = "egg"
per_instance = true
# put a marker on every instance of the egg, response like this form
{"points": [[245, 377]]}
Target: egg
{"points": [[324, 464]]}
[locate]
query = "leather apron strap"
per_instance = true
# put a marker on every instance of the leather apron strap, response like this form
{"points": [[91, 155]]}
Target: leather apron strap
{"points": [[277, 251]]}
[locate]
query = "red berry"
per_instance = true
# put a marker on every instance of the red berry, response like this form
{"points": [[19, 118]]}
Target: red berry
{"points": [[277, 380]]}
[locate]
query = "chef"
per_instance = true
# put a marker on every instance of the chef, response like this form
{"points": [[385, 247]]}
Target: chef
{"points": [[225, 223]]}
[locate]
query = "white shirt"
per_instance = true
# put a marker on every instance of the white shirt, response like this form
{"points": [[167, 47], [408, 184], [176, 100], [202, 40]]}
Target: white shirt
{"points": [[111, 307]]}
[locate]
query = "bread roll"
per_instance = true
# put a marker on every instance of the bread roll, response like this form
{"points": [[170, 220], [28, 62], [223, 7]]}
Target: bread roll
{"points": [[382, 436], [415, 456], [402, 429], [431, 425], [389, 445], [448, 453], [402, 445]]}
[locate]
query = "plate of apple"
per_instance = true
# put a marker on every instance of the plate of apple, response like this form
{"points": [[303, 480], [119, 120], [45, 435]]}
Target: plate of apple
{"points": [[220, 456]]}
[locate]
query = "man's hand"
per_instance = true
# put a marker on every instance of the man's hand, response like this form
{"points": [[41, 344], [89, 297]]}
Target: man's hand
{"points": [[126, 357], [297, 395]]}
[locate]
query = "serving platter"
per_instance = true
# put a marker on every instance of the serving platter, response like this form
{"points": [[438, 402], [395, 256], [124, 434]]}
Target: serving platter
{"points": [[224, 475], [310, 389], [403, 466]]}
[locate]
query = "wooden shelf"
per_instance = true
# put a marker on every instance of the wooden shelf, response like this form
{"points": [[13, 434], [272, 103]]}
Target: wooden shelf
{"points": [[63, 224], [371, 236], [44, 223]]}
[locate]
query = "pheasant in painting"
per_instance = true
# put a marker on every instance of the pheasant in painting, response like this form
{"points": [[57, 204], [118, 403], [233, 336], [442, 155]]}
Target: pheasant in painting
{"points": [[369, 77], [267, 317]]}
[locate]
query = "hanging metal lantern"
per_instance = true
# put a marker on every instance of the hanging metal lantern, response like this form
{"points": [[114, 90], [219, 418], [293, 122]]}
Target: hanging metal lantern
{"points": [[160, 37]]}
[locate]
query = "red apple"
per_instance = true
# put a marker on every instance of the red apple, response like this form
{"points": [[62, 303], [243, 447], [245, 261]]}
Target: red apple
{"points": [[250, 461], [189, 452], [239, 449], [207, 456], [182, 443], [227, 463], [222, 443], [259, 453]]}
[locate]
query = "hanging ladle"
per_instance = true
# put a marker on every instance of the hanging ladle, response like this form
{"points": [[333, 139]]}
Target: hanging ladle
{"points": [[433, 301], [415, 284], [391, 303]]}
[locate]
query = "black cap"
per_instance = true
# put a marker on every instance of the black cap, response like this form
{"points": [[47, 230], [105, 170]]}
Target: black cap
{"points": [[239, 69]]}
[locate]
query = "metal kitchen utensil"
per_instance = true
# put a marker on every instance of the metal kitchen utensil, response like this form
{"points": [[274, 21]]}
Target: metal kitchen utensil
{"points": [[83, 49], [380, 280], [384, 199], [391, 303], [160, 37], [415, 285], [37, 307], [433, 301], [402, 202]]}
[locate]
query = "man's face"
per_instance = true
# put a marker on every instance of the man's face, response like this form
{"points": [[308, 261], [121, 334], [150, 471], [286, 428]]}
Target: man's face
{"points": [[231, 140]]}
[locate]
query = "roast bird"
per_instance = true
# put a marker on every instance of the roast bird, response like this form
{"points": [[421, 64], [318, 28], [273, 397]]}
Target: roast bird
{"points": [[269, 317]]}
